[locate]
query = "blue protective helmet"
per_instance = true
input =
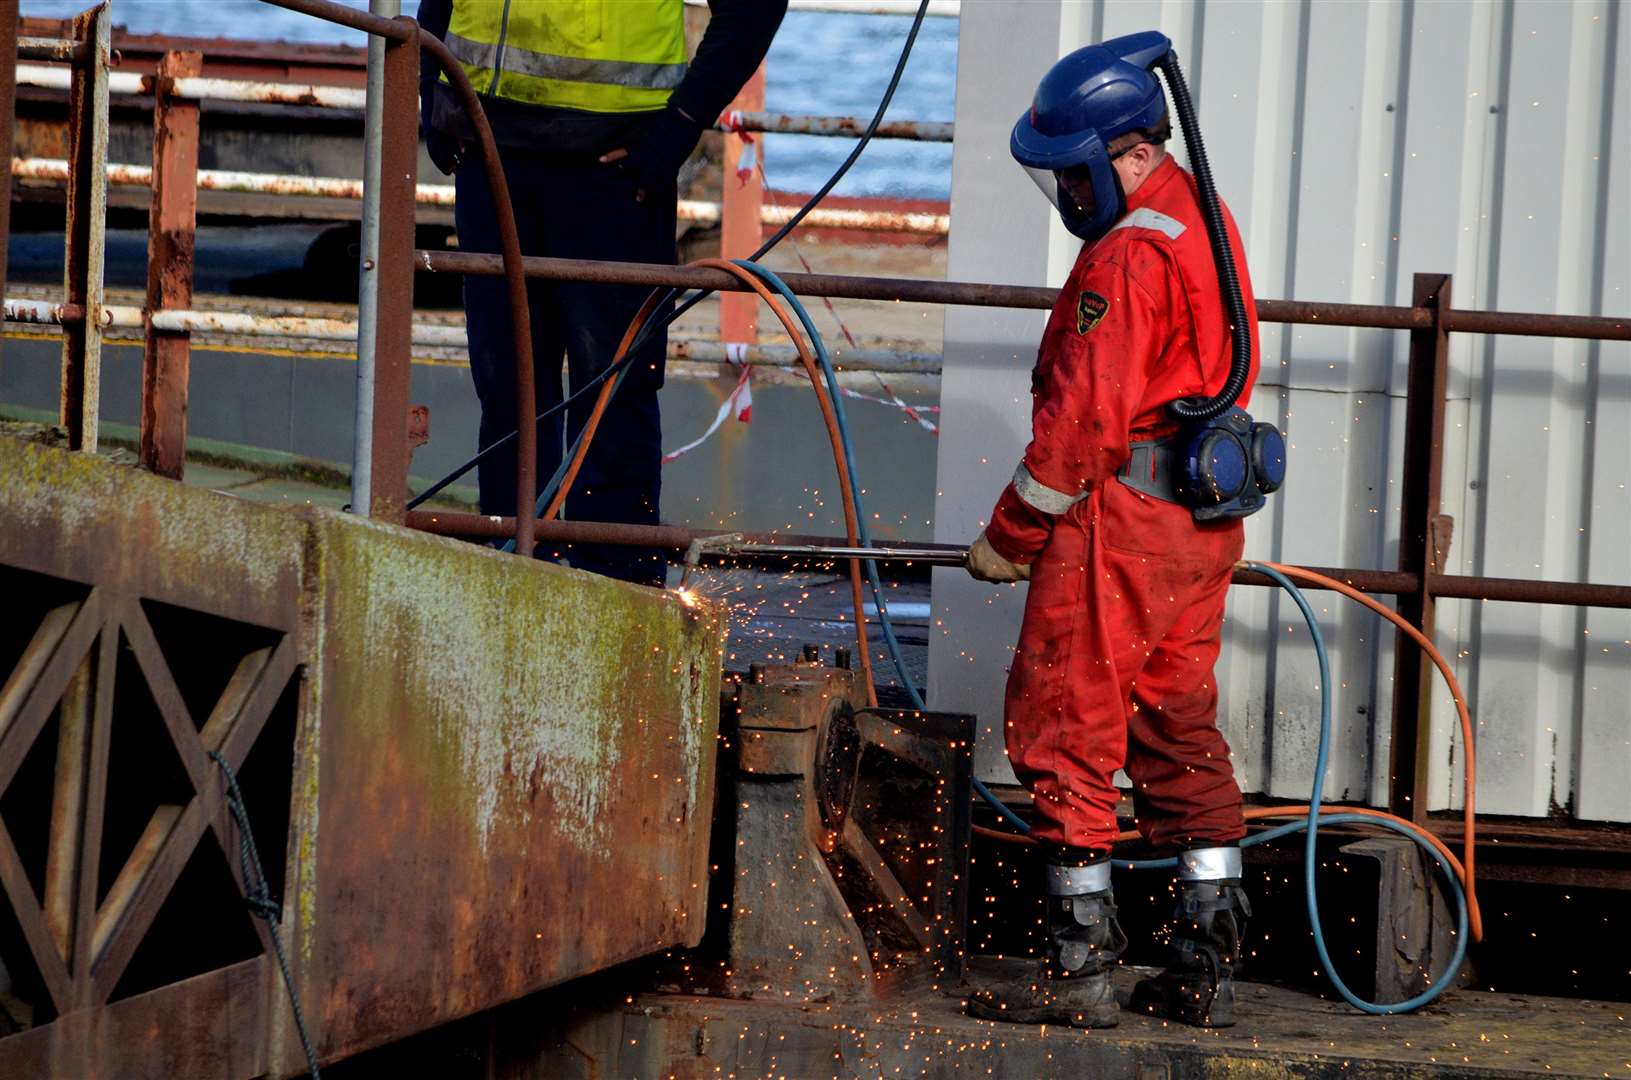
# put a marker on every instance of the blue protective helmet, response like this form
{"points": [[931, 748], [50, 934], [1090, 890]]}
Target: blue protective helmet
{"points": [[1085, 100]]}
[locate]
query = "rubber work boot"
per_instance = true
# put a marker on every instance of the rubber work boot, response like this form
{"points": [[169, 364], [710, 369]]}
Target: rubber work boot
{"points": [[1203, 943], [1072, 983]]}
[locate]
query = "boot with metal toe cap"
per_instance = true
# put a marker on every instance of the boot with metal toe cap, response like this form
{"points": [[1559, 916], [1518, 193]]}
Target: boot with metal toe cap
{"points": [[1202, 943], [1071, 986]]}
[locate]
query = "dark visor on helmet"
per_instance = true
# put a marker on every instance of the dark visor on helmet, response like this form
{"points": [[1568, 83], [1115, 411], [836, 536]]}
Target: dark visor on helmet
{"points": [[1076, 184]]}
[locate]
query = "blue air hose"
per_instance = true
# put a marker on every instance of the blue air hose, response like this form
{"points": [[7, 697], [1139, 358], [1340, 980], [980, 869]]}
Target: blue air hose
{"points": [[1315, 819]]}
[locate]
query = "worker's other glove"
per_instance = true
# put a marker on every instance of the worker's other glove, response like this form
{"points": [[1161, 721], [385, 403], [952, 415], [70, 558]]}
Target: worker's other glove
{"points": [[444, 150], [984, 564], [653, 160]]}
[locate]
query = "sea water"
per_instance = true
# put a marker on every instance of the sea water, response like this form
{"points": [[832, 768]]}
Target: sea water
{"points": [[821, 64]]}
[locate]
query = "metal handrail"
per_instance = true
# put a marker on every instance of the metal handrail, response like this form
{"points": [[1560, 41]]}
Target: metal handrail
{"points": [[1039, 297]]}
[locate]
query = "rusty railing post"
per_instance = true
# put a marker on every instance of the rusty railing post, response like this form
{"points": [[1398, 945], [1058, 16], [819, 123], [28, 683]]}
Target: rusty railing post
{"points": [[85, 231], [171, 221], [8, 119], [1419, 550], [393, 345], [741, 205]]}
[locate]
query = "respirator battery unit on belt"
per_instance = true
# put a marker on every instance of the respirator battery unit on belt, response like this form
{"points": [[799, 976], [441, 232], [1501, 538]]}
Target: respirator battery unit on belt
{"points": [[1227, 467], [1219, 469]]}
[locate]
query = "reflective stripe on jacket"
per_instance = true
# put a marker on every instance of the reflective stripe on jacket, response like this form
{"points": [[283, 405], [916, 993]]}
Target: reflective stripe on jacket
{"points": [[603, 56]]}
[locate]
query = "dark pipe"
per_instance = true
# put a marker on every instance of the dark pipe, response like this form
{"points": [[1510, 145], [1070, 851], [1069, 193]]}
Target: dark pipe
{"points": [[1240, 337]]}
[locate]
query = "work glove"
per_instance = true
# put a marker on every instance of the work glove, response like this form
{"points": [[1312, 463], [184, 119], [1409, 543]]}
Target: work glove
{"points": [[984, 564], [653, 161], [444, 150]]}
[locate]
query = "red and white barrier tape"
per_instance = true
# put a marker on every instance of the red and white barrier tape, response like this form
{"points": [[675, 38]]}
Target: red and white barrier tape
{"points": [[739, 403]]}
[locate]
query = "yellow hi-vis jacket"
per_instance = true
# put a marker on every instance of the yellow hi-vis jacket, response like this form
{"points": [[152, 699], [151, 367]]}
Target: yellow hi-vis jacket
{"points": [[603, 56]]}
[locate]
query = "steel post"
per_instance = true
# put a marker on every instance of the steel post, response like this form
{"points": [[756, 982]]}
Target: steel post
{"points": [[1423, 540], [85, 230], [362, 456], [8, 119], [392, 323], [526, 440], [171, 222], [742, 200]]}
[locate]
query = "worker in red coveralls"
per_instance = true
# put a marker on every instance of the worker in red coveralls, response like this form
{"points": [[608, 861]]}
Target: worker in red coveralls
{"points": [[1114, 667]]}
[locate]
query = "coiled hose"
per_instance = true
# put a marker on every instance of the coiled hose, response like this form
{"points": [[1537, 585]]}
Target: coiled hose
{"points": [[1223, 256]]}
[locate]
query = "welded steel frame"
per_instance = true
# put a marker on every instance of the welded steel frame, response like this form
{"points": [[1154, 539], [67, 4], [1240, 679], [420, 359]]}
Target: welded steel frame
{"points": [[171, 241], [82, 931]]}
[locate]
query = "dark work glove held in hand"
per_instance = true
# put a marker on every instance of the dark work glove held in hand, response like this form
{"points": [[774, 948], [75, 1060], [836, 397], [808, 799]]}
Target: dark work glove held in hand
{"points": [[444, 149], [654, 160]]}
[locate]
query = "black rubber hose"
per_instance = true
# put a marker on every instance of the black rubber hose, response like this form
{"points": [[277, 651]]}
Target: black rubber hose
{"points": [[1223, 256]]}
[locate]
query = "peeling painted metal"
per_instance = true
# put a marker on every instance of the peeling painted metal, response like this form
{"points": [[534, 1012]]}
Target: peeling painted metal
{"points": [[335, 187], [200, 88], [851, 127]]}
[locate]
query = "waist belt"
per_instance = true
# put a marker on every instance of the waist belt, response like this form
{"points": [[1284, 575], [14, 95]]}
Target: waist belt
{"points": [[1152, 469]]}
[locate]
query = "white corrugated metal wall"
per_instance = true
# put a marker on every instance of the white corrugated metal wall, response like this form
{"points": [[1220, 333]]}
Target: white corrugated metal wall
{"points": [[1359, 143]]}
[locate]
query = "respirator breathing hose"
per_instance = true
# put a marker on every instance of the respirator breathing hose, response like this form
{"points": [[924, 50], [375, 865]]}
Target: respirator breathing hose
{"points": [[1223, 255]]}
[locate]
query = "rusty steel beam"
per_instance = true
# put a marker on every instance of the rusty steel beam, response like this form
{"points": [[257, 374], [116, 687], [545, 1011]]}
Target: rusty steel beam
{"points": [[390, 29], [199, 88], [54, 50], [848, 127], [236, 58], [1535, 324], [981, 294], [393, 337], [122, 174], [68, 806], [8, 119], [1424, 537], [41, 312], [85, 232], [679, 538], [171, 223], [194, 1028], [753, 217], [1530, 591]]}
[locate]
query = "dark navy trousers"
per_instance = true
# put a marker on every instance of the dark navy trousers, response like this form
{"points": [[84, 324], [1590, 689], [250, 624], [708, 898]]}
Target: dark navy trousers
{"points": [[571, 210]]}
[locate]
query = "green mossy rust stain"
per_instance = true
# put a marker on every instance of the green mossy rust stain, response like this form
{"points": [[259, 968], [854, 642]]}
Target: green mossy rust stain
{"points": [[79, 510], [502, 678]]}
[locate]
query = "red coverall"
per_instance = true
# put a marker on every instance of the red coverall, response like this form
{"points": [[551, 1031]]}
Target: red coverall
{"points": [[1121, 631]]}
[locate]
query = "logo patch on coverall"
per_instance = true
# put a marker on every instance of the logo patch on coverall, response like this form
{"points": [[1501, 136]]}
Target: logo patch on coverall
{"points": [[1090, 308]]}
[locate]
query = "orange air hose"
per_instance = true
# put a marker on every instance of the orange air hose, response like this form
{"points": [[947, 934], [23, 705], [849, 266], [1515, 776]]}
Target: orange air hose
{"points": [[601, 401], [1469, 814]]}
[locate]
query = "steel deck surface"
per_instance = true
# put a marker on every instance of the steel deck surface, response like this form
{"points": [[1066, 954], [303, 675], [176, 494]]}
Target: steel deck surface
{"points": [[1282, 1033]]}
